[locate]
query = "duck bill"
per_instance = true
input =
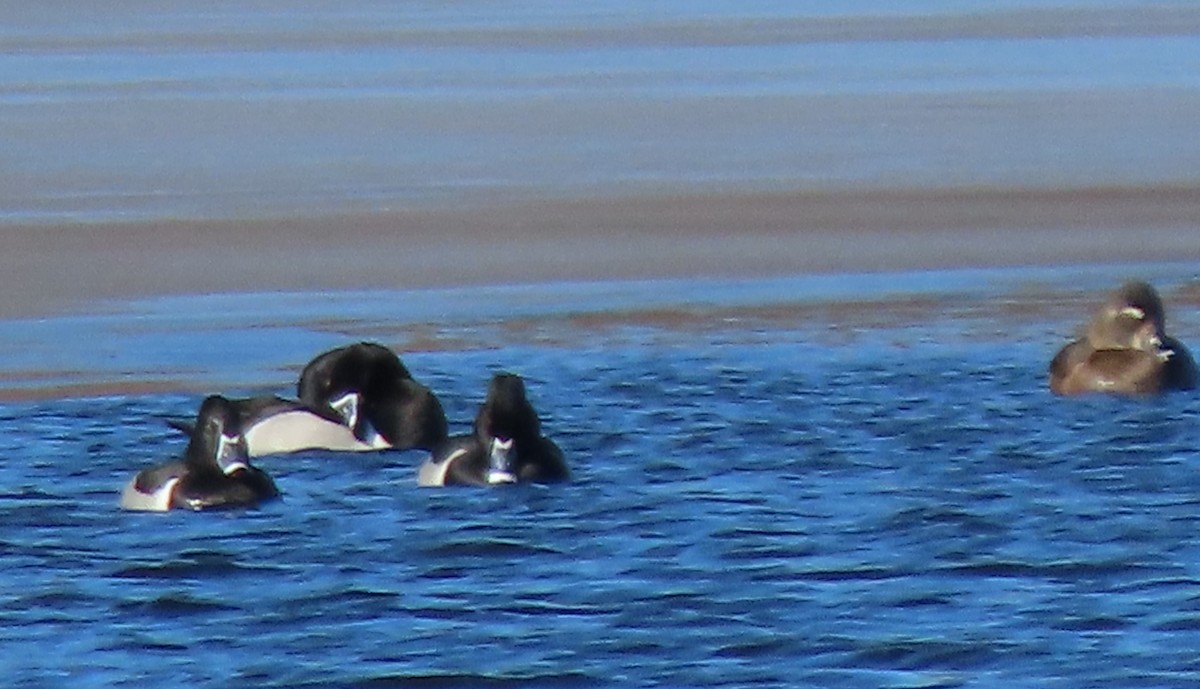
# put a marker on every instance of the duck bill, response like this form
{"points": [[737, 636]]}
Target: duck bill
{"points": [[1147, 339], [231, 454], [500, 466], [347, 407]]}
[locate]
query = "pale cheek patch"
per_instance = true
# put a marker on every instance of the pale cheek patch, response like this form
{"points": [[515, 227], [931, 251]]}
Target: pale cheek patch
{"points": [[1133, 312]]}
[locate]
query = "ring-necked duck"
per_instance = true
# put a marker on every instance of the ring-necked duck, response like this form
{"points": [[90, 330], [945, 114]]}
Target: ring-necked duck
{"points": [[215, 470], [404, 413], [507, 445], [274, 425]]}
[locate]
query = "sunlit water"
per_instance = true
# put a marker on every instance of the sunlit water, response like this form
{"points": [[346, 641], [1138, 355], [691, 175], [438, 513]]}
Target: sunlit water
{"points": [[842, 481], [890, 504]]}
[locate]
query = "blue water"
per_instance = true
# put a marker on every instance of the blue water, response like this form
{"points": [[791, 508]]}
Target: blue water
{"points": [[820, 481], [848, 500]]}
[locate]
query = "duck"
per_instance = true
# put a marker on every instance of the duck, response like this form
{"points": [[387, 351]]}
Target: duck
{"points": [[214, 472], [1124, 349], [505, 447], [391, 409], [273, 425]]}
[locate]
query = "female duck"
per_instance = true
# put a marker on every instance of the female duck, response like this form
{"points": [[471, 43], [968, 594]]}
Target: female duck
{"points": [[507, 445], [1125, 349], [215, 471]]}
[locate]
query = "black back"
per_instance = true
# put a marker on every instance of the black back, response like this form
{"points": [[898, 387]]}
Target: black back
{"points": [[363, 367]]}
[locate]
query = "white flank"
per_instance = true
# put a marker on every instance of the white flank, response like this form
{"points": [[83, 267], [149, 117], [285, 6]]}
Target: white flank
{"points": [[298, 430], [158, 501], [431, 474]]}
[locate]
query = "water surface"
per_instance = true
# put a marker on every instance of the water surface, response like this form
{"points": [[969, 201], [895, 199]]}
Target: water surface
{"points": [[861, 487], [843, 480]]}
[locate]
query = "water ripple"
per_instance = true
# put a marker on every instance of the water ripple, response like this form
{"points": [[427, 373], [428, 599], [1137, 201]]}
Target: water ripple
{"points": [[740, 515]]}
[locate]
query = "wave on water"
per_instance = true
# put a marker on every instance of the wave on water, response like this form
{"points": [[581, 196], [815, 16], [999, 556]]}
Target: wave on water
{"points": [[900, 504]]}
